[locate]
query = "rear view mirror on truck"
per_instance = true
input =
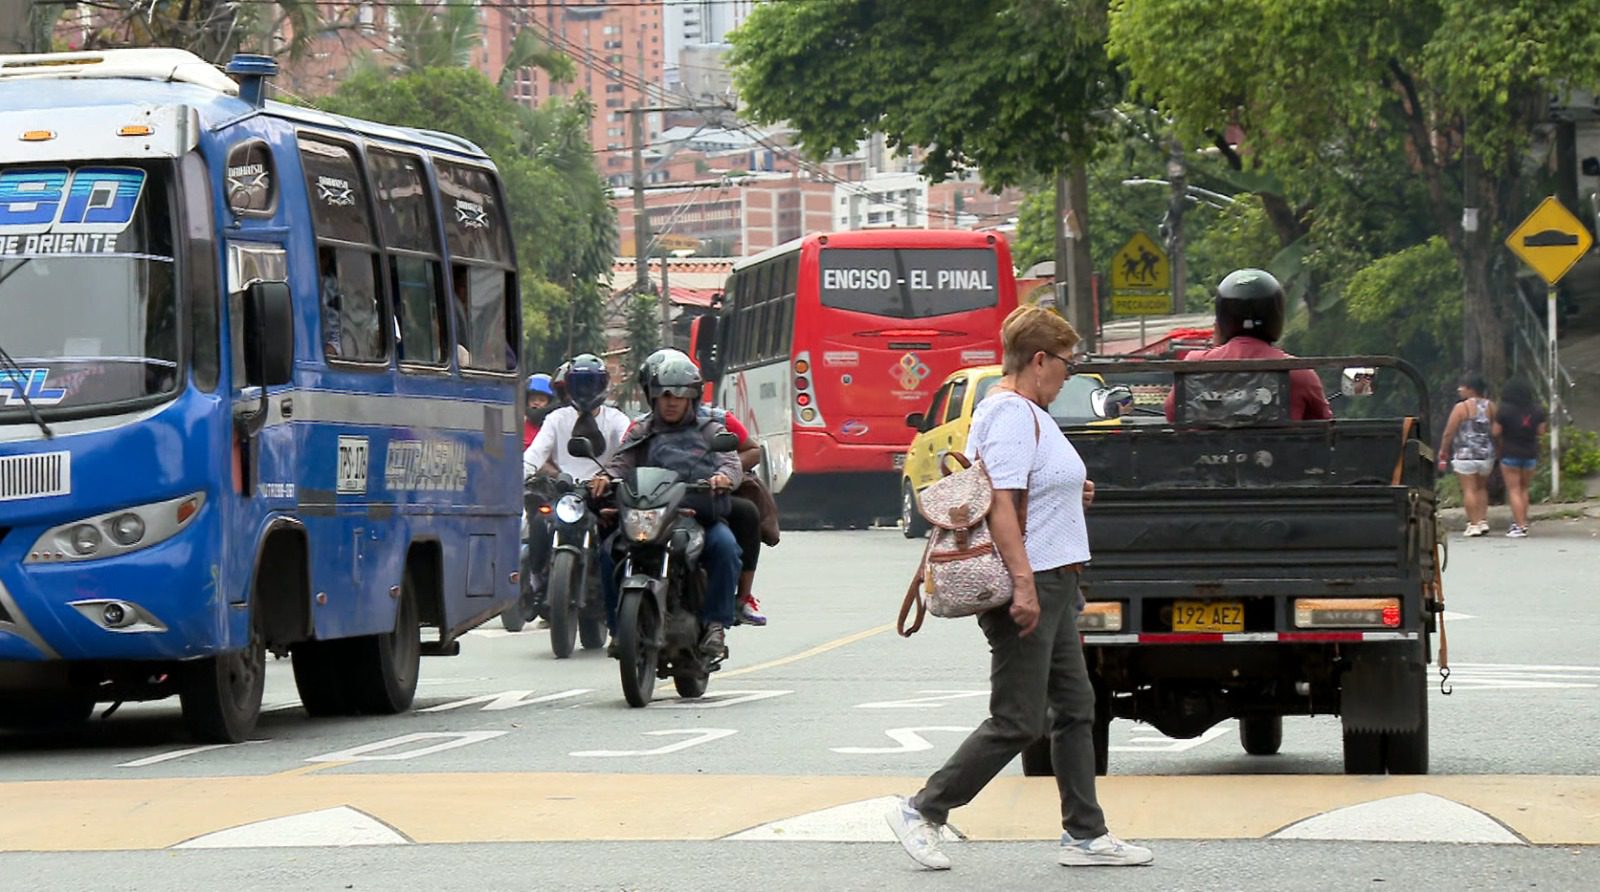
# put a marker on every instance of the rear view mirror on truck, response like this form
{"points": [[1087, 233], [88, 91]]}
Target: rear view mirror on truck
{"points": [[1111, 402], [1357, 381]]}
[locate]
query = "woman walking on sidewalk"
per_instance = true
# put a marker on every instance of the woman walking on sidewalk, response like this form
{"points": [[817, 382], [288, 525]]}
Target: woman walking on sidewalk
{"points": [[1469, 445], [1036, 655], [1518, 425]]}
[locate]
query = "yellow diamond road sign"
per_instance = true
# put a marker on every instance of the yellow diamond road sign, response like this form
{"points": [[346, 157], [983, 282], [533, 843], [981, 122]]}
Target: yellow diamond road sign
{"points": [[1551, 240], [1140, 266]]}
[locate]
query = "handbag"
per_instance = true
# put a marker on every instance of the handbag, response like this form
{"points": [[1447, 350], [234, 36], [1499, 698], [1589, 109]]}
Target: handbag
{"points": [[962, 572]]}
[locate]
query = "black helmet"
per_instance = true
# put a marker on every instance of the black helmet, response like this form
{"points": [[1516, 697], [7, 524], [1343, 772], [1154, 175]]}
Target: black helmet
{"points": [[677, 375], [587, 382], [1249, 302], [651, 362]]}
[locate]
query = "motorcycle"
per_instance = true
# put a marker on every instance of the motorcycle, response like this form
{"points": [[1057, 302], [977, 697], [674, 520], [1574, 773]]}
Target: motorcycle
{"points": [[573, 595], [663, 586], [538, 506]]}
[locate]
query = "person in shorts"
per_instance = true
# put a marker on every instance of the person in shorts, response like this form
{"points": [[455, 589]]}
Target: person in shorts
{"points": [[1518, 424], [1469, 444]]}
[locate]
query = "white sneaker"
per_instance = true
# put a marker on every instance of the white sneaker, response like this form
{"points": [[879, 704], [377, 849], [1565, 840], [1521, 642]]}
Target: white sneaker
{"points": [[1476, 529], [1102, 850], [919, 836], [1517, 532]]}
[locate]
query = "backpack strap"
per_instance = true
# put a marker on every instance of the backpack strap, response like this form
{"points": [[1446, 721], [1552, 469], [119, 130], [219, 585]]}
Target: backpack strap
{"points": [[913, 600]]}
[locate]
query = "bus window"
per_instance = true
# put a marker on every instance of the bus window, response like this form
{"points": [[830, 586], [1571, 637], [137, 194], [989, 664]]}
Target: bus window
{"points": [[405, 212], [481, 269], [786, 326], [347, 271]]}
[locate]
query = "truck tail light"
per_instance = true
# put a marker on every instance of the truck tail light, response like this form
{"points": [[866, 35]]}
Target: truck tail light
{"points": [[1344, 613], [1101, 616]]}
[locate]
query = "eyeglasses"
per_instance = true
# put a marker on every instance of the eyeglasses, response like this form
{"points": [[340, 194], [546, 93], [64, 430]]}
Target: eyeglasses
{"points": [[1071, 364]]}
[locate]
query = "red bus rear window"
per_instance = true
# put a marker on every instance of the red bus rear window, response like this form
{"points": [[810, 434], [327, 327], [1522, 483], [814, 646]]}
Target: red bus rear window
{"points": [[909, 283]]}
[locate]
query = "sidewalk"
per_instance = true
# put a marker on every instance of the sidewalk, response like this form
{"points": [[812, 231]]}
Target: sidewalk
{"points": [[1455, 519]]}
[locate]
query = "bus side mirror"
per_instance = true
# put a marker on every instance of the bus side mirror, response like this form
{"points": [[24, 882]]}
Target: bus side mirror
{"points": [[914, 421], [269, 334], [705, 346]]}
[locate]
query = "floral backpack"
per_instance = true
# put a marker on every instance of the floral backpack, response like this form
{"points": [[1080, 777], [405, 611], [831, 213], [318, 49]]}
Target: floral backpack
{"points": [[961, 572]]}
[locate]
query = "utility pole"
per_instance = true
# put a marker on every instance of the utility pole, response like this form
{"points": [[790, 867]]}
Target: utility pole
{"points": [[1177, 175], [641, 220], [1065, 299], [666, 303], [1080, 270]]}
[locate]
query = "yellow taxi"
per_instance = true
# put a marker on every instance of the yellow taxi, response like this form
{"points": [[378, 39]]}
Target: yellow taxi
{"points": [[943, 428]]}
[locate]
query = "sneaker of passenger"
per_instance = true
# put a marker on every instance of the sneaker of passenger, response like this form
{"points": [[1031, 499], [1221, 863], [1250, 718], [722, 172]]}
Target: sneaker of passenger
{"points": [[613, 650], [714, 641], [1104, 850], [541, 623], [750, 612], [919, 836], [1517, 531]]}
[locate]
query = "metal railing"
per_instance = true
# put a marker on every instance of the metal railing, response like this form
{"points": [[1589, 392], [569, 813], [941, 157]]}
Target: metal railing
{"points": [[1530, 346]]}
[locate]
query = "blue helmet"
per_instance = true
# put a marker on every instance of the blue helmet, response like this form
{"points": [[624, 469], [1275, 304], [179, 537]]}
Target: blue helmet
{"points": [[587, 382], [540, 383]]}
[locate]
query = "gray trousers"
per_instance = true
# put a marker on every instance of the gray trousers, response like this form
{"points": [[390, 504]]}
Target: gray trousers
{"points": [[1026, 675]]}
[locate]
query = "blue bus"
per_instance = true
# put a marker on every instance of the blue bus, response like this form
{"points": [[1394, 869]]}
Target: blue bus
{"points": [[259, 393]]}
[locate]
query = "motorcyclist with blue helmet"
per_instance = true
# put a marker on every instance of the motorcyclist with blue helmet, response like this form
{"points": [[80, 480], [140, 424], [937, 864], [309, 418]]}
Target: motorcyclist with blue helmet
{"points": [[540, 397]]}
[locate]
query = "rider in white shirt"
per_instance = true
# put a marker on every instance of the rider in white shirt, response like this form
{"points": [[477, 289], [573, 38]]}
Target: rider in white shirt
{"points": [[586, 412]]}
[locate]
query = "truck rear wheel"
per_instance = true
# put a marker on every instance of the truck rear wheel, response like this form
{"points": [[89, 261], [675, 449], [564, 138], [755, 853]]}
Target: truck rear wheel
{"points": [[1262, 735], [1406, 752]]}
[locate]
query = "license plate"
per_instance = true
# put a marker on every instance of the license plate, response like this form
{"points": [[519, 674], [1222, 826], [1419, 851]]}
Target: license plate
{"points": [[899, 460], [1207, 616]]}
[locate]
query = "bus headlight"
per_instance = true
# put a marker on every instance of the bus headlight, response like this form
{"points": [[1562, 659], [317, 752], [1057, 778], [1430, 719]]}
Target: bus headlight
{"points": [[642, 524], [116, 532]]}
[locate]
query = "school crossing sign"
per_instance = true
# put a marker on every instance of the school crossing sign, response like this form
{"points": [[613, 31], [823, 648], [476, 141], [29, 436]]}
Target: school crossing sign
{"points": [[1551, 240], [1140, 279]]}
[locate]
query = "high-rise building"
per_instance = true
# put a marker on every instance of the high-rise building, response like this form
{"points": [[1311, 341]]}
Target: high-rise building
{"points": [[692, 22]]}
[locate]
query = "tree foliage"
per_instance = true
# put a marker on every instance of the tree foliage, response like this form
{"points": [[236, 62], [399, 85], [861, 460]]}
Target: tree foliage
{"points": [[563, 228], [1445, 90], [1011, 87], [211, 29]]}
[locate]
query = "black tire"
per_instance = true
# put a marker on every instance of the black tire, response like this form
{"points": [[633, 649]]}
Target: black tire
{"points": [[56, 712], [592, 631], [1406, 752], [1036, 761], [1261, 735], [322, 677], [386, 665], [691, 686], [911, 522], [561, 597], [515, 616], [1363, 752], [636, 630], [221, 695]]}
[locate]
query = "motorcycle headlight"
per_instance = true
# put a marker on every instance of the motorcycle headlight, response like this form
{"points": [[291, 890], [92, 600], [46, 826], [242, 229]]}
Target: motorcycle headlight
{"points": [[569, 509], [643, 524]]}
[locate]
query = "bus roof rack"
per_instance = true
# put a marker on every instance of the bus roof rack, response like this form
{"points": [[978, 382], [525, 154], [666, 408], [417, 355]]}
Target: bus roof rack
{"points": [[161, 64]]}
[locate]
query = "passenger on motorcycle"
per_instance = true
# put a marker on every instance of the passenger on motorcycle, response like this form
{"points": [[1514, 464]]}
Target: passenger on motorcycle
{"points": [[675, 437], [539, 398], [586, 415], [744, 517]]}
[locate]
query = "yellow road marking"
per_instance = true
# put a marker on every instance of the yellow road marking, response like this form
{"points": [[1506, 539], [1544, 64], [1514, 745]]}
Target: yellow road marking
{"points": [[807, 654], [458, 808], [308, 769]]}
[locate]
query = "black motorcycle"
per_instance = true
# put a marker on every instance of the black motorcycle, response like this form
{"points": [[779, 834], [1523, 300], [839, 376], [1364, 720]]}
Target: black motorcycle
{"points": [[538, 518], [663, 586], [573, 595]]}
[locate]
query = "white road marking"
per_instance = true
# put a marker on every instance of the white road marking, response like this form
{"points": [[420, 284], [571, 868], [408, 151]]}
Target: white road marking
{"points": [[447, 740], [853, 822], [1505, 676], [1451, 616], [910, 740], [338, 826], [700, 735], [179, 754], [506, 700], [1415, 817], [934, 700], [718, 700], [1160, 743]]}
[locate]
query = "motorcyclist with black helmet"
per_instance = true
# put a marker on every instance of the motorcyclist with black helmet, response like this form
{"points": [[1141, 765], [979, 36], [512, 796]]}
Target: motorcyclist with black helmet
{"points": [[1250, 311], [586, 413], [674, 436]]}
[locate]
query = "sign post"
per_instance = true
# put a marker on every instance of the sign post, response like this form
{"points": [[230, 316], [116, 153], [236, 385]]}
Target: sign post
{"points": [[1550, 241], [1141, 279]]}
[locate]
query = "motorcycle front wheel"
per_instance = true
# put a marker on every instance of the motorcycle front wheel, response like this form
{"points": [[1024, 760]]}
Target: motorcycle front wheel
{"points": [[561, 598], [636, 634]]}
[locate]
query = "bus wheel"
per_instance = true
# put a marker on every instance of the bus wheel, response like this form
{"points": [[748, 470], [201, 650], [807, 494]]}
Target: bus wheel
{"points": [[321, 676], [386, 665], [911, 522], [221, 695]]}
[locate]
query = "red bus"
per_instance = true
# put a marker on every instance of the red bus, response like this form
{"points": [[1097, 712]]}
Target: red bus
{"points": [[824, 345]]}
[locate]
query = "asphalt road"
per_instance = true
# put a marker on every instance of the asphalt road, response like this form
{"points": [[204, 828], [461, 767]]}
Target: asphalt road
{"points": [[519, 770]]}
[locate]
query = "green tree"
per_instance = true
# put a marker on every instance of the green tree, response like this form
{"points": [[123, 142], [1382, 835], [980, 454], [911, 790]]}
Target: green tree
{"points": [[1448, 89], [211, 29], [644, 336], [436, 35]]}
